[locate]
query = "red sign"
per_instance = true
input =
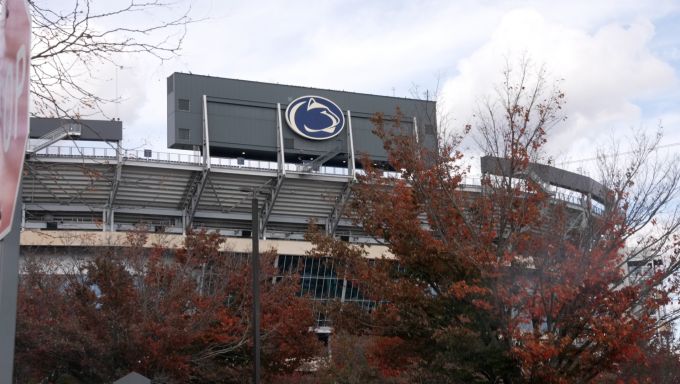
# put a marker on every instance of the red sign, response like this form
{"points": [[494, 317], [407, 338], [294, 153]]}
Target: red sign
{"points": [[15, 45]]}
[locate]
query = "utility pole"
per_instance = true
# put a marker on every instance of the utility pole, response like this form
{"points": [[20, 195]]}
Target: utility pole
{"points": [[255, 259]]}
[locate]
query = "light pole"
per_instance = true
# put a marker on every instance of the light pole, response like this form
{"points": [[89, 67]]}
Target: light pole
{"points": [[255, 260]]}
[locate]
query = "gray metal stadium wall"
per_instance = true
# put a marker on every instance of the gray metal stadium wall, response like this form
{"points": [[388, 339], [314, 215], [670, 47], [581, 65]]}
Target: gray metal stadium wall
{"points": [[242, 116]]}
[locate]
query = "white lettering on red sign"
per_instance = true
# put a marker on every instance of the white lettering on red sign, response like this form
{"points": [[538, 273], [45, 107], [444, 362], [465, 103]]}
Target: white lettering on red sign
{"points": [[15, 45], [11, 87]]}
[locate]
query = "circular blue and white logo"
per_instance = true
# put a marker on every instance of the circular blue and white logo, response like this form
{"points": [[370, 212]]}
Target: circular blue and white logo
{"points": [[315, 117]]}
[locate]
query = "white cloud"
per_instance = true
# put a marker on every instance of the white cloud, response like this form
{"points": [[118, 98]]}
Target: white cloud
{"points": [[600, 48], [607, 74]]}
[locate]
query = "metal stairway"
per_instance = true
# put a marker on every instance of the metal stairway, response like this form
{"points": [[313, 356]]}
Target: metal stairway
{"points": [[66, 130]]}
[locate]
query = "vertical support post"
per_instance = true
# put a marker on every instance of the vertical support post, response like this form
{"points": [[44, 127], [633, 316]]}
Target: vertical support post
{"points": [[344, 290], [206, 136], [119, 172], [9, 280], [255, 260], [276, 268], [350, 147], [199, 180], [281, 156], [415, 129], [108, 217]]}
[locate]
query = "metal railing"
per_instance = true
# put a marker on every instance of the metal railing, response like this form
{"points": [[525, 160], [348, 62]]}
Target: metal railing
{"points": [[66, 130], [68, 151], [177, 158], [561, 194]]}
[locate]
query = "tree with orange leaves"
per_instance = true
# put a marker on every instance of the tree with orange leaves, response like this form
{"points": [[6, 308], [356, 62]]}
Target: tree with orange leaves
{"points": [[505, 281], [173, 315]]}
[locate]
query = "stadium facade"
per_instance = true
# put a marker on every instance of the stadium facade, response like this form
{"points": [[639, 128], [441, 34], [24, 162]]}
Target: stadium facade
{"points": [[296, 149]]}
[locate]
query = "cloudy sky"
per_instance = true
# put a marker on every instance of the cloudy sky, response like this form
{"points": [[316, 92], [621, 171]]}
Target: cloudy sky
{"points": [[619, 60]]}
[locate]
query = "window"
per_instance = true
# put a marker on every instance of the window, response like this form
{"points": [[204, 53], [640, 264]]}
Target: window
{"points": [[184, 134], [184, 105]]}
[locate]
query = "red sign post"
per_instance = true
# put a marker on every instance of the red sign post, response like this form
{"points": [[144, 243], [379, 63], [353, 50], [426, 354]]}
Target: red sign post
{"points": [[15, 45], [15, 38]]}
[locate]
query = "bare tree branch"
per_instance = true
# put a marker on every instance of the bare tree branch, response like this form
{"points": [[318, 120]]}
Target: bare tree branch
{"points": [[70, 47]]}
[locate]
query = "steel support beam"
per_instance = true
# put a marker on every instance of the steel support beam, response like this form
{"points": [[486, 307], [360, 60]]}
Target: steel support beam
{"points": [[269, 203], [108, 215], [255, 268], [281, 156], [63, 207], [315, 164], [351, 162], [206, 135], [168, 212], [338, 208], [415, 129], [194, 198], [196, 190]]}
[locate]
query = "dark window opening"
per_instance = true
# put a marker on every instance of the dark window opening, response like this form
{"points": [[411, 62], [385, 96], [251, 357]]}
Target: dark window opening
{"points": [[184, 134], [184, 105]]}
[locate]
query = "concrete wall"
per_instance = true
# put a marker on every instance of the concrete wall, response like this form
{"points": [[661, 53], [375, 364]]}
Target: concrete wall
{"points": [[74, 239]]}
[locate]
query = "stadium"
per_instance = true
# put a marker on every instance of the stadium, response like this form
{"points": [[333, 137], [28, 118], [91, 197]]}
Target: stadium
{"points": [[296, 150]]}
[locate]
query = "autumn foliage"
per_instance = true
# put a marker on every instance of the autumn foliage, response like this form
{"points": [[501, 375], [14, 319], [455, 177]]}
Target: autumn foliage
{"points": [[173, 315], [503, 281]]}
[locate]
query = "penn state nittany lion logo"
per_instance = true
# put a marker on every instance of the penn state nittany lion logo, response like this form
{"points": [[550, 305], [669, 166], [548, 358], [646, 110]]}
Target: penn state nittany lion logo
{"points": [[315, 117]]}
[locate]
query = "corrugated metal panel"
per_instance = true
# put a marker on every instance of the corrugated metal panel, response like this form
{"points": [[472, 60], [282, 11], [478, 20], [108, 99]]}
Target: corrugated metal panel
{"points": [[300, 197], [227, 192], [149, 191], [152, 187], [242, 116], [82, 184]]}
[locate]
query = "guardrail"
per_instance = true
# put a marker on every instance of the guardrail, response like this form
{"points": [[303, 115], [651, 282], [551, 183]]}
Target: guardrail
{"points": [[177, 158], [571, 197], [68, 151]]}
